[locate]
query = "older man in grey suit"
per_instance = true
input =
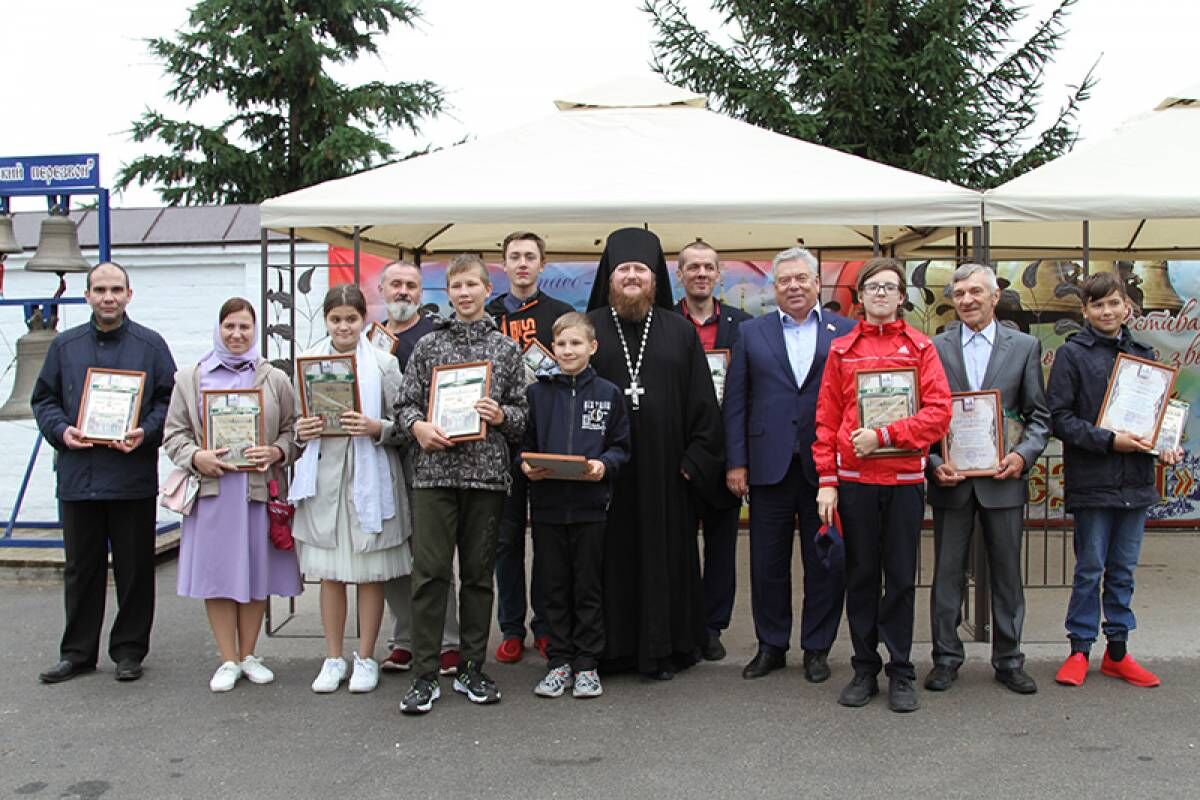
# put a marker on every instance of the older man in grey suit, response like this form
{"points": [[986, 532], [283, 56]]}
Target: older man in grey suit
{"points": [[980, 354]]}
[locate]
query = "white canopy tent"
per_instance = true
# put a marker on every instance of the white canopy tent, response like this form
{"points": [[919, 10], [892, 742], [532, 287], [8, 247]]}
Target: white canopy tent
{"points": [[1138, 189], [632, 152]]}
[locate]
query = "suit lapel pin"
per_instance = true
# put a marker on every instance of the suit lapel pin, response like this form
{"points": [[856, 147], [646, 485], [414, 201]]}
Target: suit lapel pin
{"points": [[829, 327]]}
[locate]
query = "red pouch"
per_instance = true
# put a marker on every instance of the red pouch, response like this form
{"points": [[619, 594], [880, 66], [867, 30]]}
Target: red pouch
{"points": [[279, 513]]}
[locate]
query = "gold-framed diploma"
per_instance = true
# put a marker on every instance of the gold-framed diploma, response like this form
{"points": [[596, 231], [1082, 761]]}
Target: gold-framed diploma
{"points": [[718, 368], [561, 468], [453, 391], [974, 445], [1170, 432], [886, 396], [1136, 398], [233, 419], [328, 389], [111, 403], [537, 358], [382, 338]]}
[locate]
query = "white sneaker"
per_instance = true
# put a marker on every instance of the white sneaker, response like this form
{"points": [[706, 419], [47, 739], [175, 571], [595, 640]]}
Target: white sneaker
{"points": [[587, 684], [333, 672], [225, 677], [255, 671], [556, 680], [366, 675]]}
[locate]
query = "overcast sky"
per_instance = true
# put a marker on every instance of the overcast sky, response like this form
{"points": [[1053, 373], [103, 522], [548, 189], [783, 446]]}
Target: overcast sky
{"points": [[77, 72]]}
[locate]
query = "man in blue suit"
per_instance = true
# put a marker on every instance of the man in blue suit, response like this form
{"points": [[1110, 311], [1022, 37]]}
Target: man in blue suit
{"points": [[770, 423]]}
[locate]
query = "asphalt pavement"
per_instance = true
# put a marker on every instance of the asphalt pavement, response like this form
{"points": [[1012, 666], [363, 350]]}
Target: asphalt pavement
{"points": [[708, 733]]}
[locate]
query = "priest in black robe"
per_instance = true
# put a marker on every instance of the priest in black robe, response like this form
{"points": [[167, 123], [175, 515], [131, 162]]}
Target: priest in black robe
{"points": [[654, 616]]}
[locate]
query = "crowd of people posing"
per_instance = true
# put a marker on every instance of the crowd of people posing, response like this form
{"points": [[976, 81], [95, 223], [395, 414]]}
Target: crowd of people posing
{"points": [[617, 435]]}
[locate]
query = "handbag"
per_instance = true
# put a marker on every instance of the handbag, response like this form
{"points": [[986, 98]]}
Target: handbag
{"points": [[179, 490], [279, 514]]}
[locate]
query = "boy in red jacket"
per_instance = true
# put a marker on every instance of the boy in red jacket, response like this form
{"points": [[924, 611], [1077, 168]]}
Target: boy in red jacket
{"points": [[875, 476]]}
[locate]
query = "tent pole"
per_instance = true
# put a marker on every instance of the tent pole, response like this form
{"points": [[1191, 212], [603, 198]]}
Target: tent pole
{"points": [[875, 251], [263, 287], [357, 251], [1086, 249]]}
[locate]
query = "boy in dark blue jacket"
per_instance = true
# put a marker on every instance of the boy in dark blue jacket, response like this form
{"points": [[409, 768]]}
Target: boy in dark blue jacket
{"points": [[575, 412], [1108, 484]]}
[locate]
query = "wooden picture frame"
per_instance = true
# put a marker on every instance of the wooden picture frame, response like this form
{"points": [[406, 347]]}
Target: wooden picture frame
{"points": [[453, 391], [233, 418], [884, 396], [111, 404], [1170, 432], [1136, 398], [974, 443], [718, 368], [562, 468], [380, 337], [537, 357], [328, 387]]}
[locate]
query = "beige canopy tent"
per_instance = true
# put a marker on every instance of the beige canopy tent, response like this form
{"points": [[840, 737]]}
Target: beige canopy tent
{"points": [[1138, 190], [632, 152]]}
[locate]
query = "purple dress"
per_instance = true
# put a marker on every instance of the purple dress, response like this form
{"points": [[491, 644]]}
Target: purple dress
{"points": [[224, 549]]}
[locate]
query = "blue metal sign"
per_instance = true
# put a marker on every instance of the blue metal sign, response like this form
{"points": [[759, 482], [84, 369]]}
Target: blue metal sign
{"points": [[24, 175]]}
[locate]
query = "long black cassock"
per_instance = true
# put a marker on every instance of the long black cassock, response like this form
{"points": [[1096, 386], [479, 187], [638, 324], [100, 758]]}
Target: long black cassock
{"points": [[653, 598]]}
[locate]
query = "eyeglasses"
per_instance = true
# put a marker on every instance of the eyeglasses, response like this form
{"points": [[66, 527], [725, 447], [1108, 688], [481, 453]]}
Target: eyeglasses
{"points": [[795, 280], [880, 288]]}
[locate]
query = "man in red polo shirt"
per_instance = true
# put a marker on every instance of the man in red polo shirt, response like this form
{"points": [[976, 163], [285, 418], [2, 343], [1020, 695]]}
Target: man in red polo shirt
{"points": [[698, 269]]}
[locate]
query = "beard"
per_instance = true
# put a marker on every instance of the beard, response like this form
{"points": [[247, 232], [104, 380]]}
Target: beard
{"points": [[402, 310], [632, 308]]}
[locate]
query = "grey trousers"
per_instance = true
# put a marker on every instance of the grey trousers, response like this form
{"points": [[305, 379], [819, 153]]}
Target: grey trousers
{"points": [[398, 592], [1002, 530]]}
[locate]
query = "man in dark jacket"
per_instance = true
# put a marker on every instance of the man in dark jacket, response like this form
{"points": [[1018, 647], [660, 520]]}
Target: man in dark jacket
{"points": [[107, 491], [526, 315], [698, 269], [1108, 484]]}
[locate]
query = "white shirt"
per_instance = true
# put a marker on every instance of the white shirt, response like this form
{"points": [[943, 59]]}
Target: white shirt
{"points": [[800, 338], [977, 350]]}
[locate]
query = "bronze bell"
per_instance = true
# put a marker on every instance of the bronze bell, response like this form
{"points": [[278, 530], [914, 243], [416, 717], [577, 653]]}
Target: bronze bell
{"points": [[58, 248], [31, 353], [1157, 292], [8, 242]]}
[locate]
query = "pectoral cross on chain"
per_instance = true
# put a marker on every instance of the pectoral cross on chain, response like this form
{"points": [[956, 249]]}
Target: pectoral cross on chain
{"points": [[634, 392]]}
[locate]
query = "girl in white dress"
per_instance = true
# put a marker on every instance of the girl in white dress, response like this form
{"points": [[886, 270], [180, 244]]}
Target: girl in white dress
{"points": [[352, 519]]}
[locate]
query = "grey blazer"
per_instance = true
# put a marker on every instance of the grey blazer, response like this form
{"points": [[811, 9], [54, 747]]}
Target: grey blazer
{"points": [[1015, 370]]}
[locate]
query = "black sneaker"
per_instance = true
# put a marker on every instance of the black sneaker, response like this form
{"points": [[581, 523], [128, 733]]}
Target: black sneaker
{"points": [[421, 694], [476, 685], [902, 695], [859, 691]]}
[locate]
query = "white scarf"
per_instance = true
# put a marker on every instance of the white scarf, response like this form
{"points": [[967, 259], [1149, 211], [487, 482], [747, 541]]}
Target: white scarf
{"points": [[371, 491]]}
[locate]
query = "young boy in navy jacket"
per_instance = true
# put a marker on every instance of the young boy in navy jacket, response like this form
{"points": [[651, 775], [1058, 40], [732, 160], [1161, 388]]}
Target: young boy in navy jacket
{"points": [[574, 412]]}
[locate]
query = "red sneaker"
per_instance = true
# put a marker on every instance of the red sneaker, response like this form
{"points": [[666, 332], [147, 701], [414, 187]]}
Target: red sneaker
{"points": [[448, 662], [399, 660], [543, 644], [510, 650], [1129, 671], [1073, 671]]}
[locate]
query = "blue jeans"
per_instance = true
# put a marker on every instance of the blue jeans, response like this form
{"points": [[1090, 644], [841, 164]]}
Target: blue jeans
{"points": [[1107, 543]]}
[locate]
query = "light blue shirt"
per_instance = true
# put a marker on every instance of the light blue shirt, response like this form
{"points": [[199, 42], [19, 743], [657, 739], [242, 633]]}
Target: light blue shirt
{"points": [[977, 350], [800, 338]]}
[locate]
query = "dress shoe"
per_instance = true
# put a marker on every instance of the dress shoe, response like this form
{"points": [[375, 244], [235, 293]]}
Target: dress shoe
{"points": [[1129, 671], [859, 691], [128, 669], [941, 677], [713, 650], [64, 671], [816, 666], [660, 674], [1017, 680], [902, 695], [1073, 672], [764, 662]]}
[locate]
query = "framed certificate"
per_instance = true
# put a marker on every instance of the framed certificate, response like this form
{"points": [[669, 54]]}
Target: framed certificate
{"points": [[453, 391], [1170, 432], [718, 366], [328, 388], [973, 446], [538, 358], [112, 400], [233, 418], [885, 396], [1136, 398], [381, 337], [562, 468]]}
